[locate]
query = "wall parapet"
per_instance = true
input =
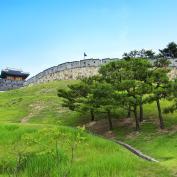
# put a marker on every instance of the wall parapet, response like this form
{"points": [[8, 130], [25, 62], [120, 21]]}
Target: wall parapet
{"points": [[69, 70], [10, 84]]}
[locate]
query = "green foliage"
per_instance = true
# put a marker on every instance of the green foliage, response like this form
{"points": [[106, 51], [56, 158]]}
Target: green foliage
{"points": [[172, 95], [162, 62], [93, 156], [139, 54], [170, 50], [122, 83], [38, 103], [51, 150], [130, 79]]}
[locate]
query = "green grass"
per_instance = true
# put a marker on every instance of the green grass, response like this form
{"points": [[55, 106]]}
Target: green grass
{"points": [[160, 144], [39, 101], [94, 157]]}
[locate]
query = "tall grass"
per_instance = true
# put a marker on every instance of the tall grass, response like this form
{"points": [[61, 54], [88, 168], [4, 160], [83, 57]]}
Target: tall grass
{"points": [[93, 157]]}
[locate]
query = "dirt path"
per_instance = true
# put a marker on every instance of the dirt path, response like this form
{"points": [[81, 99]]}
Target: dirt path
{"points": [[35, 109], [27, 118]]}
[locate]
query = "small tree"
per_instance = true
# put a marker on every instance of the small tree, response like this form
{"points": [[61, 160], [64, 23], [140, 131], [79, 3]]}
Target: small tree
{"points": [[139, 54], [103, 96], [160, 89], [129, 76], [75, 97], [172, 96], [71, 94], [170, 50], [130, 91], [139, 70], [113, 73]]}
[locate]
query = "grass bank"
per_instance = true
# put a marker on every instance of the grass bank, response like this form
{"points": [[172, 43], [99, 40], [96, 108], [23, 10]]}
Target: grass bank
{"points": [[34, 141]]}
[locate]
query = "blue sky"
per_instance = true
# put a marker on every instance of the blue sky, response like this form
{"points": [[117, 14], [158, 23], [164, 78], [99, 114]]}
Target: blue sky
{"points": [[37, 34]]}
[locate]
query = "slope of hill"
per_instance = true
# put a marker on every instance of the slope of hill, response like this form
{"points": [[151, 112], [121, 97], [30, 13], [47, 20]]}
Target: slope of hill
{"points": [[93, 156], [37, 104], [36, 136]]}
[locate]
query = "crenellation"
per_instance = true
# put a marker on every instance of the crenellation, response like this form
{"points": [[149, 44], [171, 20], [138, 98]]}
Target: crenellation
{"points": [[71, 70], [90, 62], [75, 70]]}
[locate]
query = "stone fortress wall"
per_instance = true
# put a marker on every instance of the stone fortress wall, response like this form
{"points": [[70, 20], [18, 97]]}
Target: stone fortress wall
{"points": [[69, 71], [10, 85], [79, 69]]}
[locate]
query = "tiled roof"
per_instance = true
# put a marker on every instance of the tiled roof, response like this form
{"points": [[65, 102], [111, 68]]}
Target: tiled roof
{"points": [[13, 72]]}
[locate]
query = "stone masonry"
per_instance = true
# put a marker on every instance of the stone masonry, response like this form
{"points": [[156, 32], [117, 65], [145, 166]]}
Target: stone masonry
{"points": [[79, 69], [69, 71], [10, 85]]}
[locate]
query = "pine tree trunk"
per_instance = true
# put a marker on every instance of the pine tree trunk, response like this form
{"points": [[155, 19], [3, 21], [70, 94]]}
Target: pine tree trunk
{"points": [[109, 120], [141, 110], [136, 118], [92, 115], [129, 111], [160, 114]]}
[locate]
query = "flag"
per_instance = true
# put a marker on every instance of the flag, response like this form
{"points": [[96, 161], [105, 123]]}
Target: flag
{"points": [[85, 55]]}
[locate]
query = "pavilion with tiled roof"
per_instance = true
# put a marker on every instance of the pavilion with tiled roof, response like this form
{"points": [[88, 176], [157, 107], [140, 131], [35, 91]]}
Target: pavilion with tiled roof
{"points": [[13, 74]]}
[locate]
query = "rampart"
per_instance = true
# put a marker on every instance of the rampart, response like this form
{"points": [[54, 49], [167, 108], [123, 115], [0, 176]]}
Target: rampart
{"points": [[10, 85], [69, 71]]}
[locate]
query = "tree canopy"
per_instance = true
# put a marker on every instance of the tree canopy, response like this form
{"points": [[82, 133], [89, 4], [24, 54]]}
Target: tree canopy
{"points": [[128, 84]]}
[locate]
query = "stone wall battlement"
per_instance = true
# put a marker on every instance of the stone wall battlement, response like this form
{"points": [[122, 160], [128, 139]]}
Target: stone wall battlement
{"points": [[69, 70], [10, 85]]}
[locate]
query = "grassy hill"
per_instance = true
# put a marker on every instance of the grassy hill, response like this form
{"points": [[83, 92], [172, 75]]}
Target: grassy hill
{"points": [[37, 104], [36, 139]]}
